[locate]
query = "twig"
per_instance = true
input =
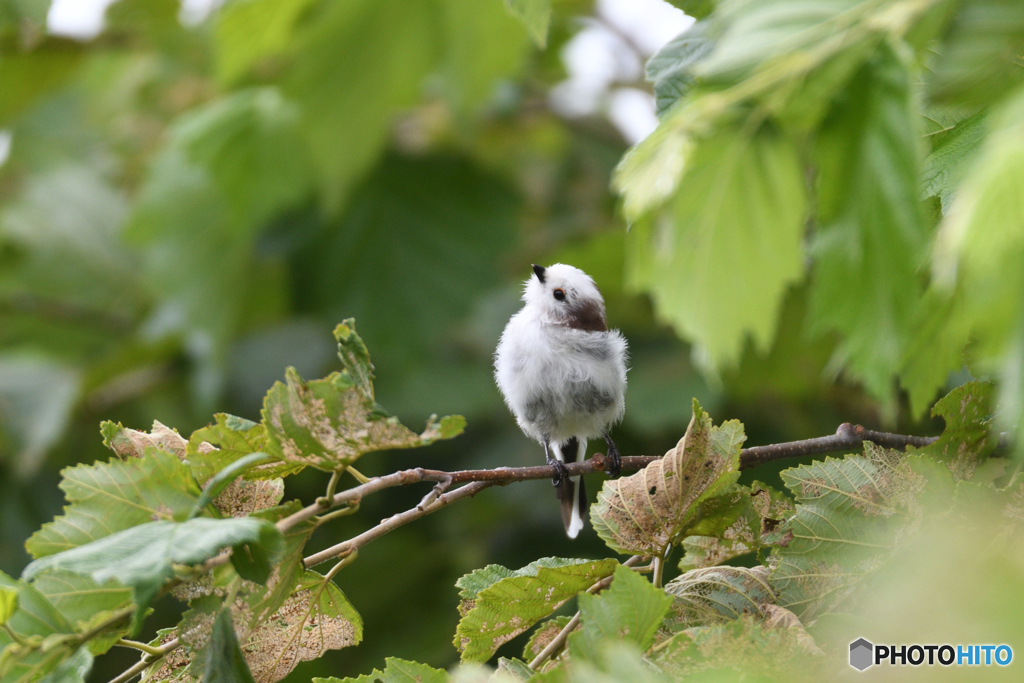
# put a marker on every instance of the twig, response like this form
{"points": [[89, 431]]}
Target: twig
{"points": [[146, 661], [559, 639], [392, 523], [847, 437]]}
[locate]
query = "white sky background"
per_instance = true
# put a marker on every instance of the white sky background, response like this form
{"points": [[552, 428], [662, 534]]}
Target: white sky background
{"points": [[604, 61]]}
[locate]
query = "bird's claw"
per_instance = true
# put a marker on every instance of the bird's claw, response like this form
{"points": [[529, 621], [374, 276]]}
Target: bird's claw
{"points": [[613, 463], [560, 472]]}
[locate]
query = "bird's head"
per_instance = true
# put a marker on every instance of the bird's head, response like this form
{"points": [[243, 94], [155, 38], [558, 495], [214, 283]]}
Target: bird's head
{"points": [[566, 295]]}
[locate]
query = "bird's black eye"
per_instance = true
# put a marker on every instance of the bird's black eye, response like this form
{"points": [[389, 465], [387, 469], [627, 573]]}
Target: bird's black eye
{"points": [[560, 295]]}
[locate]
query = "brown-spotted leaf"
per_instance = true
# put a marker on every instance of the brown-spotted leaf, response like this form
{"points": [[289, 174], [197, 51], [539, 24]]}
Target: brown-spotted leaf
{"points": [[715, 594], [968, 438], [315, 618], [330, 423], [741, 520], [131, 443], [646, 512]]}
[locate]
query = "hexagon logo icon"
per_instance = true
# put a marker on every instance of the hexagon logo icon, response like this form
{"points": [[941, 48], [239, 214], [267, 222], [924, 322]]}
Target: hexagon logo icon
{"points": [[861, 654]]}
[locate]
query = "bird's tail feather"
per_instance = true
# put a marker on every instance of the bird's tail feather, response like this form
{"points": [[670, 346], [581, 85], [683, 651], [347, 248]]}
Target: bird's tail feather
{"points": [[572, 495]]}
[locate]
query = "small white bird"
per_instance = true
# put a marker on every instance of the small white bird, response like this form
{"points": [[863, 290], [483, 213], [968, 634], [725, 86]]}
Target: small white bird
{"points": [[563, 375]]}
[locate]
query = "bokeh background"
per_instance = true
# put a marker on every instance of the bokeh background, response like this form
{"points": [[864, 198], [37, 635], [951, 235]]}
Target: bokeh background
{"points": [[193, 195]]}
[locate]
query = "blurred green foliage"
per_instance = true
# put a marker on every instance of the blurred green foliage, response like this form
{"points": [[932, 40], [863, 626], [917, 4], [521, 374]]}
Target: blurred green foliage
{"points": [[832, 201]]}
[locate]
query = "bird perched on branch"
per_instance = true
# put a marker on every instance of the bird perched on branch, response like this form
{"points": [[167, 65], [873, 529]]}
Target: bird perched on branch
{"points": [[563, 375]]}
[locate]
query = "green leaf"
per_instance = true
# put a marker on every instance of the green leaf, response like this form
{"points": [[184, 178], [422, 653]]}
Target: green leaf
{"points": [[482, 45], [332, 422], [225, 663], [110, 497], [850, 514], [83, 602], [719, 263], [249, 143], [951, 156], [8, 603], [498, 604], [734, 523], [696, 8], [74, 669], [940, 333], [252, 31], [671, 68], [631, 611], [982, 57], [872, 236], [714, 594], [34, 617], [381, 51], [968, 438], [414, 220], [646, 512], [144, 556], [395, 671], [535, 15], [231, 438]]}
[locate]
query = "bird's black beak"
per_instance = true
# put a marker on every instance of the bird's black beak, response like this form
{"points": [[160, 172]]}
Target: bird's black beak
{"points": [[539, 270]]}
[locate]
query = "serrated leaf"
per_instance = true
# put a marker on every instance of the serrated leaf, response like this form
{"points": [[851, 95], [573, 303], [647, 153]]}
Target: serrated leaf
{"points": [[729, 245], [499, 604], [849, 515], [34, 616], [951, 155], [872, 236], [671, 68], [317, 617], [144, 556], [631, 610], [332, 422], [646, 512], [746, 519], [535, 15], [110, 497], [968, 438], [714, 594], [82, 602], [395, 671]]}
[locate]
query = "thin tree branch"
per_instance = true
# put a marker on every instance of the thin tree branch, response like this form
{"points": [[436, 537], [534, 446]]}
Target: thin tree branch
{"points": [[847, 437], [392, 523], [146, 661]]}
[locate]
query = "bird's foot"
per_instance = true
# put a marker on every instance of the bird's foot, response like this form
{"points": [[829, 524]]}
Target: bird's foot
{"points": [[613, 461], [560, 472]]}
